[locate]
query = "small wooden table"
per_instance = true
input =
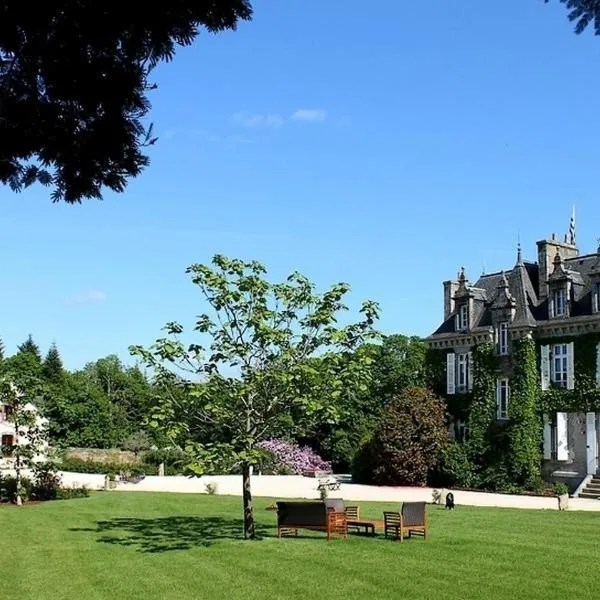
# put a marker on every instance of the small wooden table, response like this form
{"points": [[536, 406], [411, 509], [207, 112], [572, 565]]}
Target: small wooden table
{"points": [[360, 524]]}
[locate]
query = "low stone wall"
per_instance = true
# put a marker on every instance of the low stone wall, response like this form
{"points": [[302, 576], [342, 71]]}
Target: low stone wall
{"points": [[296, 486], [112, 455]]}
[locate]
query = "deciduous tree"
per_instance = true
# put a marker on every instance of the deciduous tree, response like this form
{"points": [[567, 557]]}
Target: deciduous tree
{"points": [[74, 82], [251, 368], [30, 433], [410, 438]]}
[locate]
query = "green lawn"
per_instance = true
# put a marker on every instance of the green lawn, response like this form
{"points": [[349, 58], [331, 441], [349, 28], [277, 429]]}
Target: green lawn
{"points": [[142, 545]]}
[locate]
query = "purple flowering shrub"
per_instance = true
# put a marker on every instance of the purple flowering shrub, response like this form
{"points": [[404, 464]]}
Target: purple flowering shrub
{"points": [[288, 458]]}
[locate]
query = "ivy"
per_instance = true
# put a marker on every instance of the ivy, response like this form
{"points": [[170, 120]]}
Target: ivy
{"points": [[525, 426], [586, 395], [483, 405]]}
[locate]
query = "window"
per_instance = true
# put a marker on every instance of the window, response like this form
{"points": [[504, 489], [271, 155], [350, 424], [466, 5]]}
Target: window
{"points": [[558, 300], [502, 398], [560, 364], [598, 297], [460, 430], [503, 339], [463, 318], [8, 442], [462, 372]]}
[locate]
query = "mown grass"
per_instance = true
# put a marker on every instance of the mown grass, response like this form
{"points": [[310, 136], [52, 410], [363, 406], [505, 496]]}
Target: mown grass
{"points": [[168, 546]]}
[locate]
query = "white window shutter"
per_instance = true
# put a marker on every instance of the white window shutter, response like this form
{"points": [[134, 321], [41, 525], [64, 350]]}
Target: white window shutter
{"points": [[570, 366], [470, 371], [591, 443], [457, 322], [451, 372], [497, 398], [598, 364], [562, 439], [547, 438], [545, 367]]}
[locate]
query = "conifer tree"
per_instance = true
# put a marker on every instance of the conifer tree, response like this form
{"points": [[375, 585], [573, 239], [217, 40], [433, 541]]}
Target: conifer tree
{"points": [[52, 367]]}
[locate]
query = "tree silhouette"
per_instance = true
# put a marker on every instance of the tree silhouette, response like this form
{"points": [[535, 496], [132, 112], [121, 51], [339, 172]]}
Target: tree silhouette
{"points": [[74, 78], [583, 13]]}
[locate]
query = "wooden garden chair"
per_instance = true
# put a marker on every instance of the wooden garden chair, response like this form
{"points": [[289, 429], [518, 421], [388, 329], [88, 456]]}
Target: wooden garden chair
{"points": [[412, 518]]}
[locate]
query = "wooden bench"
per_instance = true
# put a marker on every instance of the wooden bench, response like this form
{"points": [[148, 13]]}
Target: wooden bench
{"points": [[315, 516]]}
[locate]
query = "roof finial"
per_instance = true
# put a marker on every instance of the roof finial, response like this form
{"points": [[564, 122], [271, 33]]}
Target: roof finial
{"points": [[571, 237], [461, 275], [598, 250], [519, 253]]}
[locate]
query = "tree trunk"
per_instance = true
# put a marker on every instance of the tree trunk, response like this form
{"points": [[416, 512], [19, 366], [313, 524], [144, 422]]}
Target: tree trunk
{"points": [[18, 477], [249, 532]]}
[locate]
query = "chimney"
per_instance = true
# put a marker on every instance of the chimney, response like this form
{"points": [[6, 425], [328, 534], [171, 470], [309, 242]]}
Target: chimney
{"points": [[547, 250], [450, 288]]}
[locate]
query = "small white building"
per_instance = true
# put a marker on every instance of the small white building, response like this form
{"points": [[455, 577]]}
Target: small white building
{"points": [[8, 437]]}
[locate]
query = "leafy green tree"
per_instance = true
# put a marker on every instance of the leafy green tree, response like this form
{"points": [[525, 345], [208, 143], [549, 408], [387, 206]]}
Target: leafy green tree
{"points": [[395, 364], [256, 369], [83, 416], [74, 79], [583, 13], [30, 434], [26, 364], [52, 367], [410, 438], [398, 363]]}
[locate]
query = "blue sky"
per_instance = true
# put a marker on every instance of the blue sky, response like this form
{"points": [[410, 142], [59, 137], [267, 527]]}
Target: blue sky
{"points": [[385, 147]]}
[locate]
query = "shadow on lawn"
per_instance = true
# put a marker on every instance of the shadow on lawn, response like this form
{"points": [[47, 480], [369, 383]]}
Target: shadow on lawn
{"points": [[170, 533]]}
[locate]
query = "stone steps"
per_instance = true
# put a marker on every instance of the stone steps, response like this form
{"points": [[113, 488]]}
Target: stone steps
{"points": [[592, 489]]}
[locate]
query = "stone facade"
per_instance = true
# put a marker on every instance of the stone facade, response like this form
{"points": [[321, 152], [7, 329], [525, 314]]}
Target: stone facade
{"points": [[556, 300]]}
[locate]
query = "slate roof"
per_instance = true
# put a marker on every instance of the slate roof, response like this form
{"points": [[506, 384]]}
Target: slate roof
{"points": [[523, 290]]}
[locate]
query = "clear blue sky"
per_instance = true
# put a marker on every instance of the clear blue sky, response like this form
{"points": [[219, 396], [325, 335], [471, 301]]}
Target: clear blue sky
{"points": [[385, 146]]}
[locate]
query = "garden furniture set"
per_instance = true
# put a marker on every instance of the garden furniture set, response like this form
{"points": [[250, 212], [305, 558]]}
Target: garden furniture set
{"points": [[335, 519]]}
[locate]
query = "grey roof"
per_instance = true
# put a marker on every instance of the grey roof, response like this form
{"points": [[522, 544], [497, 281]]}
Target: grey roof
{"points": [[519, 288]]}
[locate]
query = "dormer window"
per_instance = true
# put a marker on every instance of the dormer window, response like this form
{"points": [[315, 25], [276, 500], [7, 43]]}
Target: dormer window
{"points": [[463, 318], [559, 303]]}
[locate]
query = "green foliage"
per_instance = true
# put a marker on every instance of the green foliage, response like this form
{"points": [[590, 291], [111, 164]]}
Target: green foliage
{"points": [[410, 439], [30, 431], [74, 84], [395, 364], [560, 489], [78, 465], [82, 415], [525, 426], [482, 418], [52, 367], [583, 13], [136, 442], [455, 468], [259, 377], [586, 395], [65, 493], [46, 483], [9, 487], [26, 365]]}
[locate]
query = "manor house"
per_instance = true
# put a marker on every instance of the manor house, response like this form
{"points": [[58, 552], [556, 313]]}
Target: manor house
{"points": [[556, 300]]}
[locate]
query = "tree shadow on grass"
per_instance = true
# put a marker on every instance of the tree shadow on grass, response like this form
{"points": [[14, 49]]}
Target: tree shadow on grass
{"points": [[164, 534]]}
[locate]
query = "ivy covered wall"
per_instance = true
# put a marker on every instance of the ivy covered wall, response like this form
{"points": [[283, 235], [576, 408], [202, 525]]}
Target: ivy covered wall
{"points": [[525, 418], [500, 454], [586, 395]]}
